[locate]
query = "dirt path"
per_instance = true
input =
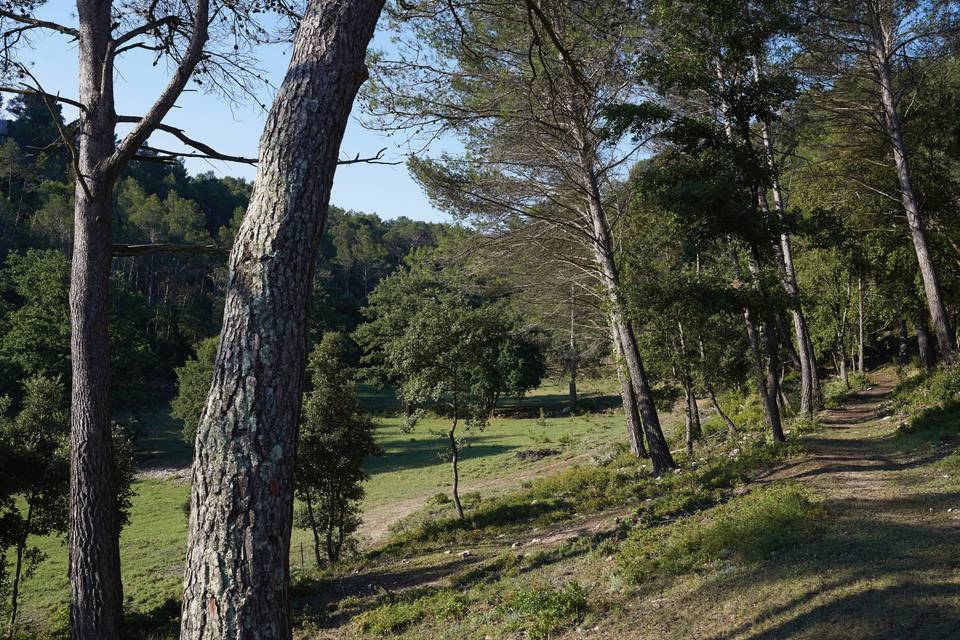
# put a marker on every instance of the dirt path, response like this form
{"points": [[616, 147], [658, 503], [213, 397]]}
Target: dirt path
{"points": [[888, 562]]}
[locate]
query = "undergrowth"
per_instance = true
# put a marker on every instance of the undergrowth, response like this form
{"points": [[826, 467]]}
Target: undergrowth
{"points": [[749, 528], [927, 405]]}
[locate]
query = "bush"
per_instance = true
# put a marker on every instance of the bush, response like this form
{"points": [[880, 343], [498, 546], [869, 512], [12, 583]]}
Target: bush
{"points": [[542, 610], [747, 529]]}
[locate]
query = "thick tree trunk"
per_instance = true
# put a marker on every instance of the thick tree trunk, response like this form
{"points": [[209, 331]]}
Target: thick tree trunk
{"points": [[918, 234], [96, 598], [237, 566]]}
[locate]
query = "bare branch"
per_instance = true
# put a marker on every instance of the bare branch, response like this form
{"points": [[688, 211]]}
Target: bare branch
{"points": [[375, 159], [39, 24], [131, 250]]}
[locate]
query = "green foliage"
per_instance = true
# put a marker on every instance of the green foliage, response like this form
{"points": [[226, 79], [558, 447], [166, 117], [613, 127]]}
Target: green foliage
{"points": [[36, 339], [34, 454], [543, 610], [335, 439], [747, 529], [193, 384]]}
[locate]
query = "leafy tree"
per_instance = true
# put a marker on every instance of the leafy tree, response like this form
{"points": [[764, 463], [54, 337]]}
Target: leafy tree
{"points": [[33, 496], [335, 439], [526, 87], [448, 349], [193, 383]]}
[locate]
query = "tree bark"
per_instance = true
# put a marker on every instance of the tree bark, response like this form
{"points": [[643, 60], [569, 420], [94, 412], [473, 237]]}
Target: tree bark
{"points": [[764, 368], [809, 384], [903, 345], [918, 234], [454, 460], [572, 355], [693, 428], [630, 412], [314, 528], [96, 592], [731, 427], [237, 565]]}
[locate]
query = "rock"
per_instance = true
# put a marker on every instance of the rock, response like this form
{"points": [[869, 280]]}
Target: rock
{"points": [[464, 554]]}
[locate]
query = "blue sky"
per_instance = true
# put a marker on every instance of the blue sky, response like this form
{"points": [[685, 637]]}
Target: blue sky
{"points": [[386, 190]]}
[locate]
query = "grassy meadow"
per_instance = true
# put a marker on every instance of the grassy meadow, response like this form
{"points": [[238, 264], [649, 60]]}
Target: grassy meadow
{"points": [[412, 469]]}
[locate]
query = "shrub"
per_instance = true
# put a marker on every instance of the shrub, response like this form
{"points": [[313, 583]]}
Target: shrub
{"points": [[542, 610]]}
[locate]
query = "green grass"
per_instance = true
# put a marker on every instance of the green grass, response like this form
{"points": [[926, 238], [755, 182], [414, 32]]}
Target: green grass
{"points": [[618, 481], [414, 467], [151, 548], [747, 529]]}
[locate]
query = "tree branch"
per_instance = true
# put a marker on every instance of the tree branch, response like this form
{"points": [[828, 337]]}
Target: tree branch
{"points": [[374, 159], [131, 250], [129, 146], [39, 24]]}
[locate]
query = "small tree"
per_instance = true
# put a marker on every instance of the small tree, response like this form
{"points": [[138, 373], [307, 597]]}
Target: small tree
{"points": [[335, 438], [450, 350], [193, 383], [33, 494]]}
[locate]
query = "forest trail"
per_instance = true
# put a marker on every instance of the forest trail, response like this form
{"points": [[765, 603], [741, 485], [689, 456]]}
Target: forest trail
{"points": [[887, 564]]}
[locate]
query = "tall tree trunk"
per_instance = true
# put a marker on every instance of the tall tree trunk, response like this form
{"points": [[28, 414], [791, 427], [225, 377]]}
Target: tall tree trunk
{"points": [[918, 234], [763, 352], [809, 384], [657, 447], [96, 591], [768, 401], [237, 565], [924, 343]]}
